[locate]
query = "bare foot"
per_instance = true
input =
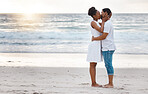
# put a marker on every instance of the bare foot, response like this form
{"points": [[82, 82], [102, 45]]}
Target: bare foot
{"points": [[96, 85], [108, 86]]}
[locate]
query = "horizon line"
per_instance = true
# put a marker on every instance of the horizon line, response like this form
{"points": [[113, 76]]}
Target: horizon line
{"points": [[77, 13]]}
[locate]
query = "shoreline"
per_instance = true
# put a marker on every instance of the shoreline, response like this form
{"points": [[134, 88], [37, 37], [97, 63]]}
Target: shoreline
{"points": [[69, 60], [69, 53]]}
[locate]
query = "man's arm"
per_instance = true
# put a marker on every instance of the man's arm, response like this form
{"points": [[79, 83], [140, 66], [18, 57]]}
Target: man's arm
{"points": [[102, 37]]}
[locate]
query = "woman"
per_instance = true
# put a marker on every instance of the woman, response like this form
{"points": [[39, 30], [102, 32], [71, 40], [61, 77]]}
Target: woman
{"points": [[94, 48]]}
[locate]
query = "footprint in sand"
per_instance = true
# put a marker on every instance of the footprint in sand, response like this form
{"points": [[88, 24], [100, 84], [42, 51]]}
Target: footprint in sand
{"points": [[84, 84], [125, 93], [10, 61], [25, 91], [37, 93], [28, 85], [127, 84], [146, 89], [120, 88], [13, 61]]}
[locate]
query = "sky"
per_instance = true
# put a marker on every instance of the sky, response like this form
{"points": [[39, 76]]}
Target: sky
{"points": [[72, 6]]}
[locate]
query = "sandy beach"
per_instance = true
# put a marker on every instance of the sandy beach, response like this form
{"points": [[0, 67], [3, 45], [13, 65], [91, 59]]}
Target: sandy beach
{"points": [[28, 73]]}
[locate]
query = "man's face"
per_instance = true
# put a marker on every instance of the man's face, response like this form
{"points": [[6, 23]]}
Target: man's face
{"points": [[104, 13]]}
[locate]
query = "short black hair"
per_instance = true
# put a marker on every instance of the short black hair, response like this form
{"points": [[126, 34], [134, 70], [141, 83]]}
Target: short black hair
{"points": [[107, 10], [92, 11]]}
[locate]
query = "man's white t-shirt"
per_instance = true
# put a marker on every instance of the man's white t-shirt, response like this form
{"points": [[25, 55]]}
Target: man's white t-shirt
{"points": [[108, 43]]}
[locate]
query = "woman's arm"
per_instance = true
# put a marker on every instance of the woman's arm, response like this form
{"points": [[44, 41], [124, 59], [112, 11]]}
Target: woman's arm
{"points": [[95, 26]]}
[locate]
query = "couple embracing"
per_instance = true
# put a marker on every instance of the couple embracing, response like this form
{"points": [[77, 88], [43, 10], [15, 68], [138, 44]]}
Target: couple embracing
{"points": [[102, 44]]}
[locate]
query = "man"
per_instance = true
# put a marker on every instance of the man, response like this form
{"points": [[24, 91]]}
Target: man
{"points": [[108, 46]]}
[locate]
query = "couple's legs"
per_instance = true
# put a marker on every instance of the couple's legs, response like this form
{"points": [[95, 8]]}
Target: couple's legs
{"points": [[92, 71], [108, 64], [110, 70]]}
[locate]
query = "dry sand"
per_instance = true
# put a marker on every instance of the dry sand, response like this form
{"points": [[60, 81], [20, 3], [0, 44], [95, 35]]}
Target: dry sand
{"points": [[32, 73], [47, 80]]}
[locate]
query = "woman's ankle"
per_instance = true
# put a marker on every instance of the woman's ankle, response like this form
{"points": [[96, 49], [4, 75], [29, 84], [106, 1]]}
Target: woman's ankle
{"points": [[93, 83]]}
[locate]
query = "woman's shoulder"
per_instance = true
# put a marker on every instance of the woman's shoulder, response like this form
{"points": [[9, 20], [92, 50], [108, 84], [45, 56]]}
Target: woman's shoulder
{"points": [[94, 22]]}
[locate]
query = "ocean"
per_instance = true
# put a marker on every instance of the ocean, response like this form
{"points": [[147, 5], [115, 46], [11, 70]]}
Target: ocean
{"points": [[68, 33]]}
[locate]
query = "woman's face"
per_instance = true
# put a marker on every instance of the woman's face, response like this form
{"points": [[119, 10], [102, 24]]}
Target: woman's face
{"points": [[97, 16]]}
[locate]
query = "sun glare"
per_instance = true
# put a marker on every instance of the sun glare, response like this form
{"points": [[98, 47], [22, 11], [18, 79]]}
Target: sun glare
{"points": [[31, 16], [28, 16]]}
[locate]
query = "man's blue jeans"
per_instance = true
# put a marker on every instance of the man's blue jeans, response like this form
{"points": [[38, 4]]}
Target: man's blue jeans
{"points": [[108, 56]]}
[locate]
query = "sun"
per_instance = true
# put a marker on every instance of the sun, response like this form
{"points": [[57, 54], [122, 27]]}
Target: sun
{"points": [[30, 11]]}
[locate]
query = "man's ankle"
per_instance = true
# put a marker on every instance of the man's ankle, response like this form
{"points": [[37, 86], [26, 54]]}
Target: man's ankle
{"points": [[111, 83]]}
